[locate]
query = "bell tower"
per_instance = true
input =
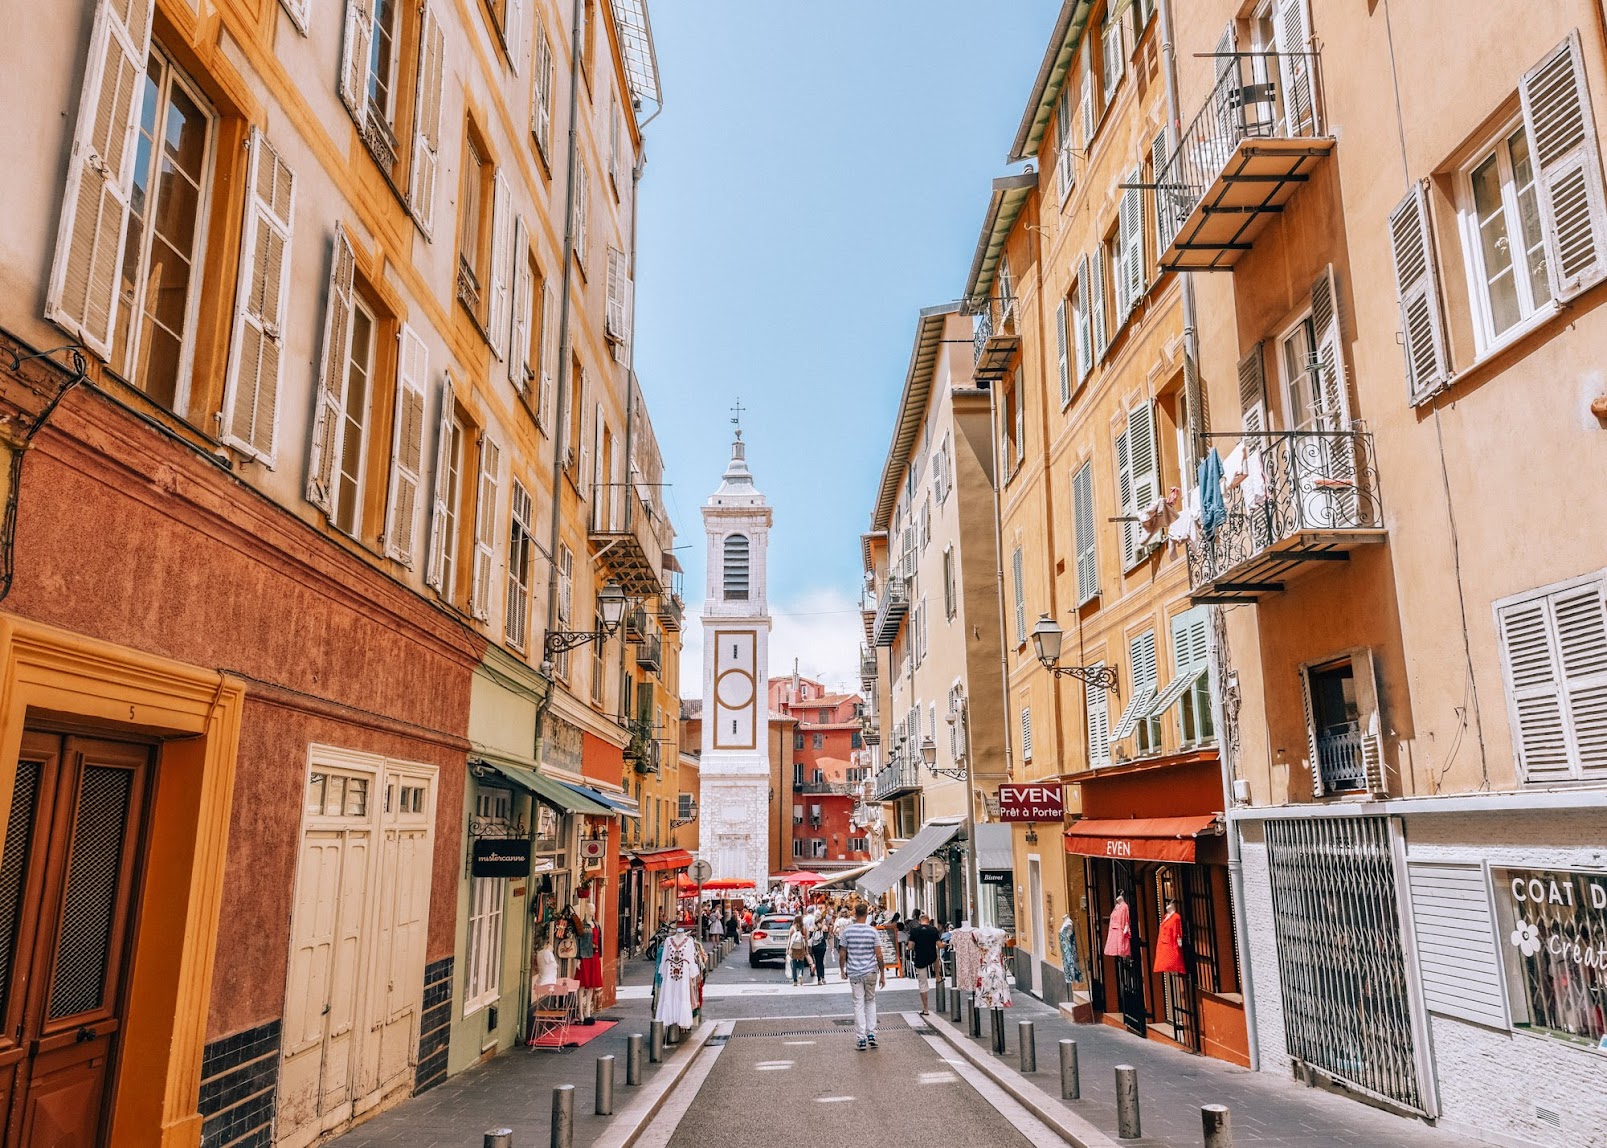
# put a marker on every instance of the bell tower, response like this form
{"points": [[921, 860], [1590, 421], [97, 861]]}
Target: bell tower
{"points": [[734, 772]]}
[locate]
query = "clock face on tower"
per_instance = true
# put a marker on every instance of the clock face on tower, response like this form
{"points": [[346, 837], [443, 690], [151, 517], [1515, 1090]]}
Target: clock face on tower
{"points": [[735, 689]]}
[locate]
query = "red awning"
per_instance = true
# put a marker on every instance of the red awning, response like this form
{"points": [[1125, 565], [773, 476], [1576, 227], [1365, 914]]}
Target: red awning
{"points": [[663, 859], [1139, 838], [728, 883]]}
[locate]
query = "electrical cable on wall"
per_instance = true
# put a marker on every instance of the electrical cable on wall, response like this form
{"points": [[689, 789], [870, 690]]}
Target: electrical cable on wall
{"points": [[19, 452]]}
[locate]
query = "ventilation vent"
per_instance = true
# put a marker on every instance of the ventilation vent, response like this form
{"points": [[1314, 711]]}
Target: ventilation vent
{"points": [[1550, 1117]]}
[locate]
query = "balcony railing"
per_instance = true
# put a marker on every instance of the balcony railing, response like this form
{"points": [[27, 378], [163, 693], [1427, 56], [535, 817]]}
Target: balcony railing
{"points": [[1320, 500], [1348, 760], [650, 654], [894, 781], [895, 603], [1252, 144], [997, 337], [867, 668], [671, 612], [837, 787], [629, 535]]}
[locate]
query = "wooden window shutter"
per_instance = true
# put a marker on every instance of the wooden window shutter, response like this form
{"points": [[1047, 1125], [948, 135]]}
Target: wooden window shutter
{"points": [[1096, 300], [1026, 733], [435, 569], [1339, 451], [613, 310], [1082, 497], [1417, 288], [582, 209], [519, 326], [426, 159], [1018, 579], [1253, 391], [332, 376], [1061, 340], [501, 264], [1554, 651], [549, 354], [1457, 943], [1124, 487], [1145, 464], [251, 389], [1085, 330], [1562, 132], [1364, 673], [1314, 761], [1098, 705], [1291, 30], [1115, 61], [356, 50], [1065, 156], [518, 23], [1090, 121], [485, 527], [407, 448], [84, 279], [1159, 154], [541, 93], [297, 11], [1130, 223]]}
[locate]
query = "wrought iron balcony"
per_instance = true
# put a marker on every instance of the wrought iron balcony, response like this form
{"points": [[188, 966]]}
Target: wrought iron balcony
{"points": [[629, 536], [829, 787], [997, 337], [636, 625], [867, 669], [1320, 502], [895, 781], [650, 654], [671, 612], [870, 733], [1348, 761], [895, 603], [1256, 139]]}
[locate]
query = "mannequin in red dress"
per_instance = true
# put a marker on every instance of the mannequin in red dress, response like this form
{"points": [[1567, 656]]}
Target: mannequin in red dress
{"points": [[1169, 943]]}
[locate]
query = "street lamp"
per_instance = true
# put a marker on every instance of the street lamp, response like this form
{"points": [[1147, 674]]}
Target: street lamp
{"points": [[1046, 638], [611, 603], [929, 751]]}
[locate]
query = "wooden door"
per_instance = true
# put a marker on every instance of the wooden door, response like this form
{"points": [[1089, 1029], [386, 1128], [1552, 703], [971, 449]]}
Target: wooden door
{"points": [[68, 872]]}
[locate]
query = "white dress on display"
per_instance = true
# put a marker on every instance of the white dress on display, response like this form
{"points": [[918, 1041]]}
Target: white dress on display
{"points": [[678, 970], [993, 988]]}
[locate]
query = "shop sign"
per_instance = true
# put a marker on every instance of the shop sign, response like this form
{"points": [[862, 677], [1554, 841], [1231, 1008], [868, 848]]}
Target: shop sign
{"points": [[1032, 803], [1554, 936], [564, 745], [994, 877], [501, 857]]}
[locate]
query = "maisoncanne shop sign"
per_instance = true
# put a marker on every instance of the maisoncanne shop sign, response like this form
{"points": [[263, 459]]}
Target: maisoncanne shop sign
{"points": [[1554, 923]]}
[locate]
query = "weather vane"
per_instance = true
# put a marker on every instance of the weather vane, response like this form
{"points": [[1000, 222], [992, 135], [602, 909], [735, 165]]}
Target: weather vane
{"points": [[736, 419]]}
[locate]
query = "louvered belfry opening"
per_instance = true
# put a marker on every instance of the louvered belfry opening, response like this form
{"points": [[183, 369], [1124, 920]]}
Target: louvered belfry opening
{"points": [[1341, 959]]}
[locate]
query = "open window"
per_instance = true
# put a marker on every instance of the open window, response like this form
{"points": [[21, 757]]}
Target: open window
{"points": [[1343, 728]]}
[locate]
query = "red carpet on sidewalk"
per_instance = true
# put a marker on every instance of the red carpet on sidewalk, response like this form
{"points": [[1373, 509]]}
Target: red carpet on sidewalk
{"points": [[575, 1036]]}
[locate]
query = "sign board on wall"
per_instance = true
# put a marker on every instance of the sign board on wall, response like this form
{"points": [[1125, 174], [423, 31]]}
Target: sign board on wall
{"points": [[501, 857], [994, 877], [1035, 803]]}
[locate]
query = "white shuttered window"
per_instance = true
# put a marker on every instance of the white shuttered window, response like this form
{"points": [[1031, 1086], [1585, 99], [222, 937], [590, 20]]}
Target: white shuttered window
{"points": [[1562, 132], [1082, 500], [519, 323], [1554, 656], [1098, 705], [501, 265], [1026, 733], [542, 94], [407, 449], [485, 528], [1417, 289], [426, 159], [521, 554], [331, 380], [1017, 581], [1064, 364]]}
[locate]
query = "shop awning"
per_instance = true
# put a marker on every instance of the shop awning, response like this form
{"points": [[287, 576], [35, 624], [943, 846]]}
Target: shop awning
{"points": [[663, 859], [524, 775], [846, 874], [1139, 838], [993, 851], [932, 837], [611, 803]]}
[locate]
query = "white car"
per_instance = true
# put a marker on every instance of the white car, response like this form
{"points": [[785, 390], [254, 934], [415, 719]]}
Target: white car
{"points": [[768, 941]]}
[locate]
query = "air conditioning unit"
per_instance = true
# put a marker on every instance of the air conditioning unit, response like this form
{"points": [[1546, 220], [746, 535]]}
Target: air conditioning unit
{"points": [[592, 852]]}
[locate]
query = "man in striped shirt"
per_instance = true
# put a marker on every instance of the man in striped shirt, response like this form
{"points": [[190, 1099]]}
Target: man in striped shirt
{"points": [[859, 956]]}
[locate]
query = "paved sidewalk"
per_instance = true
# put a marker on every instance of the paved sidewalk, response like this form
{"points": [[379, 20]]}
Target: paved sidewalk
{"points": [[1268, 1111]]}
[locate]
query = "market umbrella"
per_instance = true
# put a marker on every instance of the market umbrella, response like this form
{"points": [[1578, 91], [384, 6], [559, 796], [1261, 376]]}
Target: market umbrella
{"points": [[727, 883], [804, 878]]}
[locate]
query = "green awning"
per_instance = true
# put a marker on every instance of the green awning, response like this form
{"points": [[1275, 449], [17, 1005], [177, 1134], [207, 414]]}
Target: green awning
{"points": [[523, 773]]}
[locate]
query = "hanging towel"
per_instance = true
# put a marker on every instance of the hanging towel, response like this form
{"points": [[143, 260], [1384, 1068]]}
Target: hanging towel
{"points": [[1212, 511], [1255, 481], [1119, 937]]}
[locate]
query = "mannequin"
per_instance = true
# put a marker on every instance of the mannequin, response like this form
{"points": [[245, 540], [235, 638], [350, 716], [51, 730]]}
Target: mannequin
{"points": [[546, 965], [679, 966], [993, 985], [1119, 937], [1070, 961], [1169, 943], [589, 952], [967, 957]]}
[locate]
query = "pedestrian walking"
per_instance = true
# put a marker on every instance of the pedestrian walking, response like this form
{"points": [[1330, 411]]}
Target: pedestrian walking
{"points": [[817, 946], [797, 951], [859, 957], [924, 943], [716, 928]]}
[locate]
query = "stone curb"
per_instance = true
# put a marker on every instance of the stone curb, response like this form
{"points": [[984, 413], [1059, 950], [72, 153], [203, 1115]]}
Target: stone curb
{"points": [[1073, 1129], [633, 1120]]}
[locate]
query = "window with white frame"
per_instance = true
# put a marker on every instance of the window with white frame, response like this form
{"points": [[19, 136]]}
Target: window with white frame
{"points": [[521, 557], [858, 845], [797, 847], [1137, 477], [484, 957], [1115, 60], [1554, 660], [1065, 157], [1082, 504], [797, 815], [817, 847], [1097, 704], [951, 603], [1506, 253], [451, 448], [565, 573], [351, 447]]}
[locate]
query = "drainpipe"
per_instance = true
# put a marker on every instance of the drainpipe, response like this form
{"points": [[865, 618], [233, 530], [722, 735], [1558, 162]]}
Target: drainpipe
{"points": [[998, 571], [1217, 654]]}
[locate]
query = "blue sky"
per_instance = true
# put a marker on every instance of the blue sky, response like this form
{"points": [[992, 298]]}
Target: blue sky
{"points": [[817, 176]]}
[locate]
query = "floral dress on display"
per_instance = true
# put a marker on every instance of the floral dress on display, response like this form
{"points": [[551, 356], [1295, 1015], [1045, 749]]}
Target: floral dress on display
{"points": [[993, 985]]}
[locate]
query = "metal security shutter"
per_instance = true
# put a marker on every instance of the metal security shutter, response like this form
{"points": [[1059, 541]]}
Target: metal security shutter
{"points": [[1337, 923], [1417, 287], [1457, 954], [1562, 131]]}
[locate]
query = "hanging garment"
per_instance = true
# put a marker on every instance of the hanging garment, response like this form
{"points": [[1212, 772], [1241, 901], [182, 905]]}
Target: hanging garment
{"points": [[1233, 468], [1119, 937], [1255, 481], [1070, 962], [1156, 518], [1186, 527], [590, 974], [678, 969], [993, 985], [967, 958], [1169, 945], [1212, 511]]}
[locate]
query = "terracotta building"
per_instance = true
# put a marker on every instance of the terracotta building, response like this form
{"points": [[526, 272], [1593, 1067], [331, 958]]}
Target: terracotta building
{"points": [[326, 398], [827, 766]]}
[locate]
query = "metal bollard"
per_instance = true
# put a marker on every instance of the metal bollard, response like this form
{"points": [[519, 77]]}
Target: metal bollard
{"points": [[1127, 1126], [1217, 1125], [498, 1138], [563, 1116], [976, 1017], [942, 995], [996, 1028], [633, 1059], [957, 1005], [655, 1044], [1070, 1082], [604, 1105], [1029, 1046]]}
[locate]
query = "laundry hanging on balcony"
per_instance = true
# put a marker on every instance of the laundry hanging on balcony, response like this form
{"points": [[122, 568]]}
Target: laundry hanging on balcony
{"points": [[1212, 510]]}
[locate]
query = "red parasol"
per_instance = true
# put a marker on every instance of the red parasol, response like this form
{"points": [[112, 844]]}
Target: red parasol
{"points": [[727, 883], [803, 878]]}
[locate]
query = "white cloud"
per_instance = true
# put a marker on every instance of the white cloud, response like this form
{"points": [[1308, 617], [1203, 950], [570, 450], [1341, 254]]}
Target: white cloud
{"points": [[821, 628]]}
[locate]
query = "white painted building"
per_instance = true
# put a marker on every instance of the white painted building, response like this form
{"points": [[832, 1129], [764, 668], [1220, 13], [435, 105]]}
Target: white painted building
{"points": [[733, 833]]}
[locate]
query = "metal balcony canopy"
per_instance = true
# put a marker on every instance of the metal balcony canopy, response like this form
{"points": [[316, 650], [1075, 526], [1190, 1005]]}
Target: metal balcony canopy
{"points": [[640, 58], [911, 407], [1004, 206], [1057, 61], [932, 836]]}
